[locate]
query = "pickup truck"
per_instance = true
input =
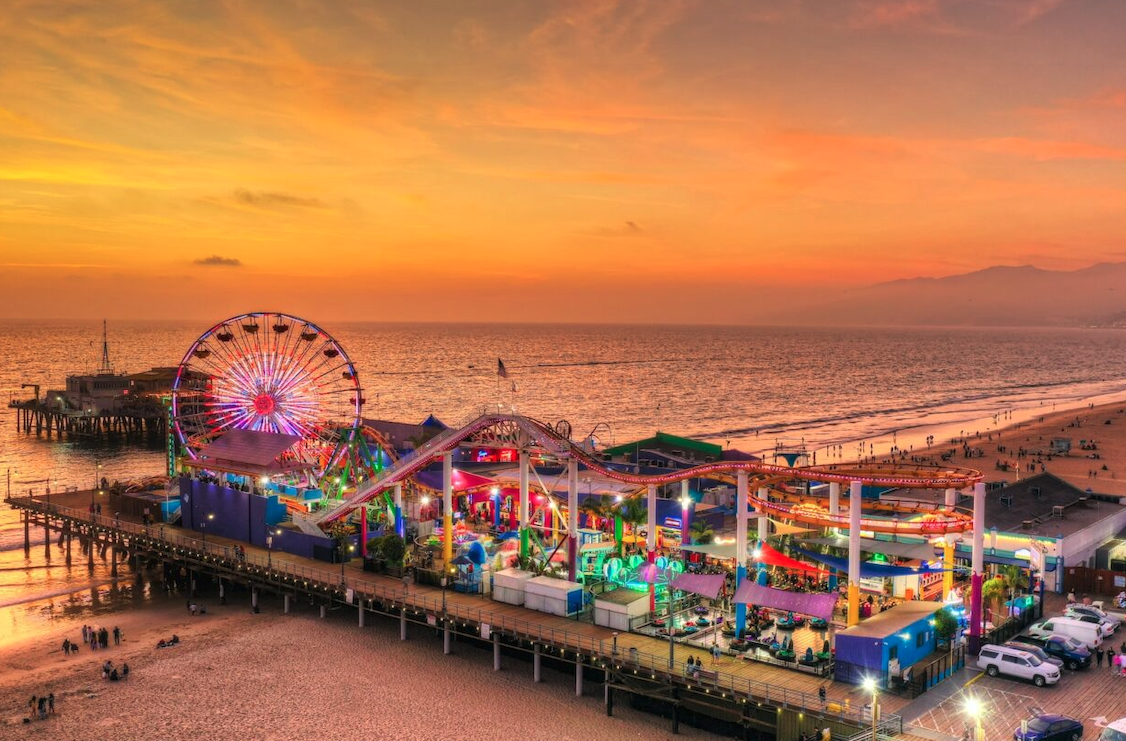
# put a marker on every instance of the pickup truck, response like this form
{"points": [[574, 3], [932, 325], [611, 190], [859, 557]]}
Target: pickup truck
{"points": [[1073, 653]]}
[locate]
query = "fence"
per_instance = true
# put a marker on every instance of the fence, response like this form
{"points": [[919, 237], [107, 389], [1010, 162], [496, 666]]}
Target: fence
{"points": [[598, 652], [1083, 579]]}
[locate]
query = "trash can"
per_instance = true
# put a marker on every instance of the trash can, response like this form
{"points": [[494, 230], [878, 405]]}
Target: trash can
{"points": [[633, 654]]}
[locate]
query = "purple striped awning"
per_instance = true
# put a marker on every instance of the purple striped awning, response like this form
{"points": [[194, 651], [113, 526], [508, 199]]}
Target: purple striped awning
{"points": [[705, 585], [804, 603]]}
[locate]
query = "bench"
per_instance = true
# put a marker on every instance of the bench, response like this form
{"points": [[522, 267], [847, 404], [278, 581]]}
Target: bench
{"points": [[709, 674]]}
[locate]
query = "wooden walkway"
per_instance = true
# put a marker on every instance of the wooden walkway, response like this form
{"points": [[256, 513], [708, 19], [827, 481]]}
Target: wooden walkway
{"points": [[733, 675]]}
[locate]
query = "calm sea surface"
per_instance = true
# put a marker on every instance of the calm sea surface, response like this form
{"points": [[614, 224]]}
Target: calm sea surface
{"points": [[749, 387]]}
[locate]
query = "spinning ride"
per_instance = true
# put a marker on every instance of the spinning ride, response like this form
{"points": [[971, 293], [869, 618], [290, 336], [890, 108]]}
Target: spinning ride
{"points": [[271, 373]]}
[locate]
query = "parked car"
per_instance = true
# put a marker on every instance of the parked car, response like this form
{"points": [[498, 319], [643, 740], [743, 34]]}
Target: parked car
{"points": [[1050, 727], [1072, 652], [1081, 609], [1106, 628], [1087, 634], [1116, 731], [1036, 651], [1014, 662]]}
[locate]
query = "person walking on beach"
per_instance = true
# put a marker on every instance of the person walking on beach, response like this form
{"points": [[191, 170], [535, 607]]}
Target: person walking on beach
{"points": [[85, 634], [125, 671], [51, 703], [66, 647], [116, 636]]}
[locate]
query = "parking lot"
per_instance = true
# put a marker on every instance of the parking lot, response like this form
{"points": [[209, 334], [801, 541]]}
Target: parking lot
{"points": [[1093, 696]]}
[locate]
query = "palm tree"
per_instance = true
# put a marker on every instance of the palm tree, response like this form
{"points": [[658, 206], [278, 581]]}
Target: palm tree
{"points": [[701, 532], [631, 512], [598, 509]]}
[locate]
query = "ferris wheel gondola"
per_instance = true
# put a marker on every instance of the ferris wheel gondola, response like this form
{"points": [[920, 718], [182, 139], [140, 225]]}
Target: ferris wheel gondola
{"points": [[294, 378]]}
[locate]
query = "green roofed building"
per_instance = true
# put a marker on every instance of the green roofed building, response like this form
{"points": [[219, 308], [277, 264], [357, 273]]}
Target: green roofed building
{"points": [[664, 444]]}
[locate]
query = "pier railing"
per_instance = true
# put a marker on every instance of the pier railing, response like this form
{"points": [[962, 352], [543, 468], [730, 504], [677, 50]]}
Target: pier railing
{"points": [[569, 645]]}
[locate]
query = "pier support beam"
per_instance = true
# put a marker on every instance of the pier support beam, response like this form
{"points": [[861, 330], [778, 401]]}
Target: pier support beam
{"points": [[400, 524], [834, 510], [403, 623], [113, 556], [446, 636], [91, 543], [948, 550], [26, 532], [977, 567], [253, 598], [675, 712], [763, 526], [46, 537], [536, 662], [360, 617], [447, 508], [324, 611], [579, 678], [855, 501], [651, 538], [741, 491], [69, 537], [609, 700], [496, 652], [572, 518], [285, 604], [525, 536]]}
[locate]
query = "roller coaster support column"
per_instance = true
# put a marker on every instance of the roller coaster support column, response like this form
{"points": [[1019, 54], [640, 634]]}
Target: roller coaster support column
{"points": [[834, 509], [524, 513], [448, 508], [400, 525], [763, 532], [948, 550], [651, 538], [741, 505], [362, 510], [977, 567], [572, 518], [685, 505], [855, 500]]}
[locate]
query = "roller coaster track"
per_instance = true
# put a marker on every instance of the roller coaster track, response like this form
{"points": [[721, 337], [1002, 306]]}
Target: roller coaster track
{"points": [[937, 521]]}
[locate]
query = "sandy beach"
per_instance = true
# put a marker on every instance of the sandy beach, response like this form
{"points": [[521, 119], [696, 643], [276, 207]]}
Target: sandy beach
{"points": [[272, 676], [996, 452]]}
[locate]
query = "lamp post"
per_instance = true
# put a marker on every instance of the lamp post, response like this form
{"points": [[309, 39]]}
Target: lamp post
{"points": [[870, 685], [203, 526], [344, 560], [269, 551], [974, 707]]}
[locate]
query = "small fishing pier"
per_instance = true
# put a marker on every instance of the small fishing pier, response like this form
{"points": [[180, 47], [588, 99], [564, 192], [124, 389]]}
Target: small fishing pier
{"points": [[756, 700]]}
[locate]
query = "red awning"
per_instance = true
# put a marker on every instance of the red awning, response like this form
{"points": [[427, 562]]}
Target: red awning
{"points": [[771, 557]]}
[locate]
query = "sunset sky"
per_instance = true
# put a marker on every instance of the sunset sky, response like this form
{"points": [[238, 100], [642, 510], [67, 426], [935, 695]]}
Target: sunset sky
{"points": [[530, 161]]}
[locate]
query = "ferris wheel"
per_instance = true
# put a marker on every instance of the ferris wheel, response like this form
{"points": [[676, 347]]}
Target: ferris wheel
{"points": [[271, 373]]}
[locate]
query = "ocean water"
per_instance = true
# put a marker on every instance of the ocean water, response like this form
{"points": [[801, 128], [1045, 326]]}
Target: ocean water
{"points": [[749, 388]]}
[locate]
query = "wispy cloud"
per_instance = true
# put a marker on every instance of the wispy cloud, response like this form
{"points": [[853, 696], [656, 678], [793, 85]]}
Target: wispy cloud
{"points": [[273, 199], [218, 261]]}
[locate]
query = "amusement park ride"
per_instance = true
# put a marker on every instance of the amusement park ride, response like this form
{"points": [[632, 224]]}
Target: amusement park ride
{"points": [[279, 374]]}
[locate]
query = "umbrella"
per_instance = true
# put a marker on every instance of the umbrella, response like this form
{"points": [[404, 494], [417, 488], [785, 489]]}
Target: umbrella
{"points": [[461, 560]]}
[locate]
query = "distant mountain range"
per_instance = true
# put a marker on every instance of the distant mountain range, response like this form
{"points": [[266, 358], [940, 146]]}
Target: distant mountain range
{"points": [[997, 296]]}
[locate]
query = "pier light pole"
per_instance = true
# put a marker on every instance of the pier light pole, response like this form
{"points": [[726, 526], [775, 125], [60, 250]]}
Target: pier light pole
{"points": [[203, 526], [343, 560], [269, 551], [974, 708], [870, 685]]}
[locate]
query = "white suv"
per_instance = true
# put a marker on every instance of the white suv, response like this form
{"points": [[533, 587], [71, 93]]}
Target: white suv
{"points": [[1014, 662], [1116, 731]]}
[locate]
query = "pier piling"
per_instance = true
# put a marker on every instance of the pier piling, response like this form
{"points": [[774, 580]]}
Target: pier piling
{"points": [[285, 604], [254, 602], [324, 611], [361, 613], [113, 558], [496, 652], [579, 678], [47, 538], [446, 636], [609, 699], [403, 623], [536, 662], [26, 532]]}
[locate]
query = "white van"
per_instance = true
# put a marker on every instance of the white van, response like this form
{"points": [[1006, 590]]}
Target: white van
{"points": [[1086, 633], [1014, 662]]}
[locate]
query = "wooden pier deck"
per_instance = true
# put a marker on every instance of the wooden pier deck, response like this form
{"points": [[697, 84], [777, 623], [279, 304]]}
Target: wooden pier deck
{"points": [[637, 663]]}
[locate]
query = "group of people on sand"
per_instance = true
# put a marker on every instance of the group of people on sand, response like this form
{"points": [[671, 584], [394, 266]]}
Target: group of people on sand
{"points": [[165, 643], [110, 672], [95, 638], [40, 707]]}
